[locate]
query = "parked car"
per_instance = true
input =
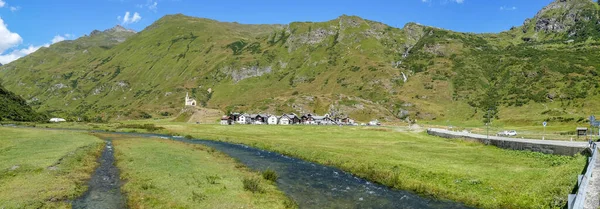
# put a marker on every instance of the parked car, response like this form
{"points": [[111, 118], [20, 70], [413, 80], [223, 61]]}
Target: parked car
{"points": [[507, 133]]}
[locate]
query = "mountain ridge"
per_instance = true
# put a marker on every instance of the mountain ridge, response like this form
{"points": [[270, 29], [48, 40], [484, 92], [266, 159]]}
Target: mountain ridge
{"points": [[347, 66]]}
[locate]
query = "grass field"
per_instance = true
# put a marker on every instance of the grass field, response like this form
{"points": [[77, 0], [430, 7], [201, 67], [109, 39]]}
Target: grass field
{"points": [[168, 174], [478, 175], [44, 169]]}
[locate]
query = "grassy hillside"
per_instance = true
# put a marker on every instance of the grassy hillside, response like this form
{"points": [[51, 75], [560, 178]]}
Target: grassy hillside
{"points": [[14, 108], [546, 68]]}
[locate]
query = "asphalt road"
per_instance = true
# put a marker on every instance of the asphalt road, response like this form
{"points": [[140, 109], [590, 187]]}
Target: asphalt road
{"points": [[533, 141]]}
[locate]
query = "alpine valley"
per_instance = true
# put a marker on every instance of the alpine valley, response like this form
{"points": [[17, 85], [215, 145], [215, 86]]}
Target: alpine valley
{"points": [[546, 69]]}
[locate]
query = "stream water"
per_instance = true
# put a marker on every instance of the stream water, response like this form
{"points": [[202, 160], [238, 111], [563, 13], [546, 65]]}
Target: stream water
{"points": [[104, 186], [316, 186]]}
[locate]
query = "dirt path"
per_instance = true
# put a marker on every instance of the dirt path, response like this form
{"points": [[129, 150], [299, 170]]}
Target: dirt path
{"points": [[104, 187]]}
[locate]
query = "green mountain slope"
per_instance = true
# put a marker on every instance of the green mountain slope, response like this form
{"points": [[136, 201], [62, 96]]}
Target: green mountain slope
{"points": [[562, 21], [348, 66], [14, 108]]}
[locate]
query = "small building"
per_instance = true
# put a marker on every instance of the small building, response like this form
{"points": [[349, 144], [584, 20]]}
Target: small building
{"points": [[244, 119], [226, 120], [258, 119], [323, 120], [235, 116], [57, 120], [347, 121], [581, 131], [307, 119], [189, 101], [294, 119], [284, 120], [272, 120]]}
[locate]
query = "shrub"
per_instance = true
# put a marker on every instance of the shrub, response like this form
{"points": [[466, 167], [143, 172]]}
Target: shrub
{"points": [[198, 197], [252, 184], [212, 179], [147, 186], [189, 136], [148, 127], [270, 175], [145, 115]]}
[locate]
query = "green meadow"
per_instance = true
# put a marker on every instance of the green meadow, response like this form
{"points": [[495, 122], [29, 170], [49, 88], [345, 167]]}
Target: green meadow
{"points": [[43, 168], [472, 173], [168, 174]]}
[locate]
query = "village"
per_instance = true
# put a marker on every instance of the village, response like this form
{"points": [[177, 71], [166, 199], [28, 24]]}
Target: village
{"points": [[285, 119], [289, 119]]}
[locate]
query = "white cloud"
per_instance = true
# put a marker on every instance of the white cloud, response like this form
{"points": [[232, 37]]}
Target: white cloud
{"points": [[152, 5], [18, 53], [136, 17], [128, 18], [14, 9], [2, 3], [505, 8], [57, 38], [8, 39], [459, 1]]}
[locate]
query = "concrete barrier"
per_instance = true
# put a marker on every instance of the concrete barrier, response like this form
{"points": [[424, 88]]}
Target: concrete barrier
{"points": [[544, 146], [577, 200]]}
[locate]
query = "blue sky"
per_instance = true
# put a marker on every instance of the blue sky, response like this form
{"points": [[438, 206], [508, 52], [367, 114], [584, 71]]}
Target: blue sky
{"points": [[30, 24]]}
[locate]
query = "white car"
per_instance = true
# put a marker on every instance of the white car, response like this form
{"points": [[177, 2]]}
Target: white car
{"points": [[507, 133]]}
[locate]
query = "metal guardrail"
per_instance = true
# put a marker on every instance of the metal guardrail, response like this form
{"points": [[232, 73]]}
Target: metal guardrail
{"points": [[577, 200]]}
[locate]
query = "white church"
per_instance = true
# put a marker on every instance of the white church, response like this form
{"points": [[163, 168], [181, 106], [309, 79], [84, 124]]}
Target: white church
{"points": [[189, 101]]}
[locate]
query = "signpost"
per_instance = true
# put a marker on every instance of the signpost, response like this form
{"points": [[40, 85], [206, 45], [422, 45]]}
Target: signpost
{"points": [[594, 124], [544, 123]]}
